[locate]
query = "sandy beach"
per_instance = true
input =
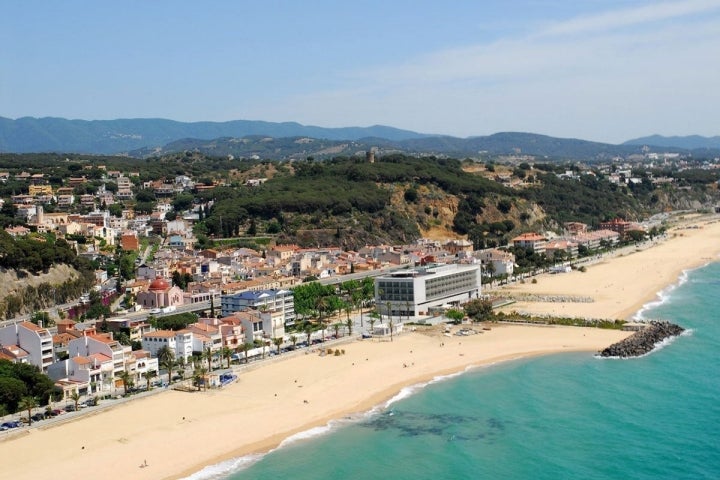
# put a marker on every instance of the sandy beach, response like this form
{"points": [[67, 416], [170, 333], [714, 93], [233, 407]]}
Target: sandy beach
{"points": [[179, 433], [620, 286]]}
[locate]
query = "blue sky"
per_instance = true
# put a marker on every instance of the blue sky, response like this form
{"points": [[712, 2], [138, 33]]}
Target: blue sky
{"points": [[600, 70]]}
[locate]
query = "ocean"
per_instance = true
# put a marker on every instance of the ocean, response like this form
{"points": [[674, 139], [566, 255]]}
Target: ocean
{"points": [[564, 416]]}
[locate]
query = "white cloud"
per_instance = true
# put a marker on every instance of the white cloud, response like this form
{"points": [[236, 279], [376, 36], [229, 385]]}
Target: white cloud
{"points": [[631, 17], [615, 84]]}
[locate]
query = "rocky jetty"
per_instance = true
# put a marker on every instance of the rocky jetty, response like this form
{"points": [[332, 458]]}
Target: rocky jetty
{"points": [[643, 341], [551, 298]]}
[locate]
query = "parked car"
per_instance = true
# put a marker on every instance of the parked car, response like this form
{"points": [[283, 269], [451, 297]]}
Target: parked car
{"points": [[37, 417], [70, 408], [57, 411], [11, 424]]}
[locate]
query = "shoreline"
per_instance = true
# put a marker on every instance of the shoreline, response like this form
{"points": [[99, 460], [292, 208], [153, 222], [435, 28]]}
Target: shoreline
{"points": [[247, 418], [180, 434], [624, 286]]}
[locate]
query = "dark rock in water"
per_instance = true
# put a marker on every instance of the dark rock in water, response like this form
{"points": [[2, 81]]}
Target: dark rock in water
{"points": [[643, 341]]}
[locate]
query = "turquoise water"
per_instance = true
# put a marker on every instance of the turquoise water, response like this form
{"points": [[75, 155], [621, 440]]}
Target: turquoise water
{"points": [[564, 416]]}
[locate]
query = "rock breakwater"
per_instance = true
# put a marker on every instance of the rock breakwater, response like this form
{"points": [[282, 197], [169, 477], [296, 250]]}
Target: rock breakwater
{"points": [[551, 298], [643, 341]]}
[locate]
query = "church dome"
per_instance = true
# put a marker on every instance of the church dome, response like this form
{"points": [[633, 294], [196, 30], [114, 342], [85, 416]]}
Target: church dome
{"points": [[159, 284]]}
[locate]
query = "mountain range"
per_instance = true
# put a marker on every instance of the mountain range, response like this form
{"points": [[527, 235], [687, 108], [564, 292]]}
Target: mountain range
{"points": [[245, 138]]}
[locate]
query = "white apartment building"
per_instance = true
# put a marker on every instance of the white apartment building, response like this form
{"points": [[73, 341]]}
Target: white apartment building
{"points": [[34, 340], [103, 344], [180, 342], [279, 302]]}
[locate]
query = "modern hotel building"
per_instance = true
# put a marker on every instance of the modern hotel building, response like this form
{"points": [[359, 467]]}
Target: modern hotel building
{"points": [[412, 293]]}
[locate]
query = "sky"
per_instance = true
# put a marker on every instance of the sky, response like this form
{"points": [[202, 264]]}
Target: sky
{"points": [[602, 70]]}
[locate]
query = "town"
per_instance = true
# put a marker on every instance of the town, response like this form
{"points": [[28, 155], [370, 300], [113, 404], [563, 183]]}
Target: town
{"points": [[168, 308]]}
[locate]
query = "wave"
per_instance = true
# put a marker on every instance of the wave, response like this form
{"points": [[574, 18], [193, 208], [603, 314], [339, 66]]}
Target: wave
{"points": [[224, 469], [664, 295]]}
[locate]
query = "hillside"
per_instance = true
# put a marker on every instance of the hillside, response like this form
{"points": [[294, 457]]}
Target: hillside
{"points": [[691, 142], [289, 140], [117, 136], [298, 148], [397, 199]]}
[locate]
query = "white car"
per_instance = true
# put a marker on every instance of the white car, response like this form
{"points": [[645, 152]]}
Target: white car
{"points": [[155, 311]]}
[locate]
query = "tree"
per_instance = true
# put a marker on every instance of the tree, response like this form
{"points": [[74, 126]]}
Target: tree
{"points": [[75, 397], [166, 359], [293, 340], [245, 347], [390, 321], [199, 377], [208, 355], [28, 403], [149, 375], [181, 365], [373, 319], [455, 315], [308, 332], [349, 325], [12, 390], [278, 341], [126, 380], [479, 310], [336, 327], [226, 353]]}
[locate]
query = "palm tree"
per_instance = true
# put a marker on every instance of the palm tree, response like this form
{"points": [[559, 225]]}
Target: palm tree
{"points": [[227, 353], [308, 332], [293, 340], [336, 327], [149, 375], [203, 375], [349, 326], [357, 300], [245, 347], [407, 310], [75, 397], [126, 380], [372, 324], [166, 359], [390, 320], [278, 341], [321, 304], [28, 403], [181, 365], [208, 355]]}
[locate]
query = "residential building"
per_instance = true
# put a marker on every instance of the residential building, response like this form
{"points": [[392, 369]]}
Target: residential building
{"points": [[104, 344], [569, 248], [34, 340], [531, 241], [456, 246], [503, 263], [180, 342], [34, 190], [279, 301], [620, 226], [258, 326], [129, 241]]}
